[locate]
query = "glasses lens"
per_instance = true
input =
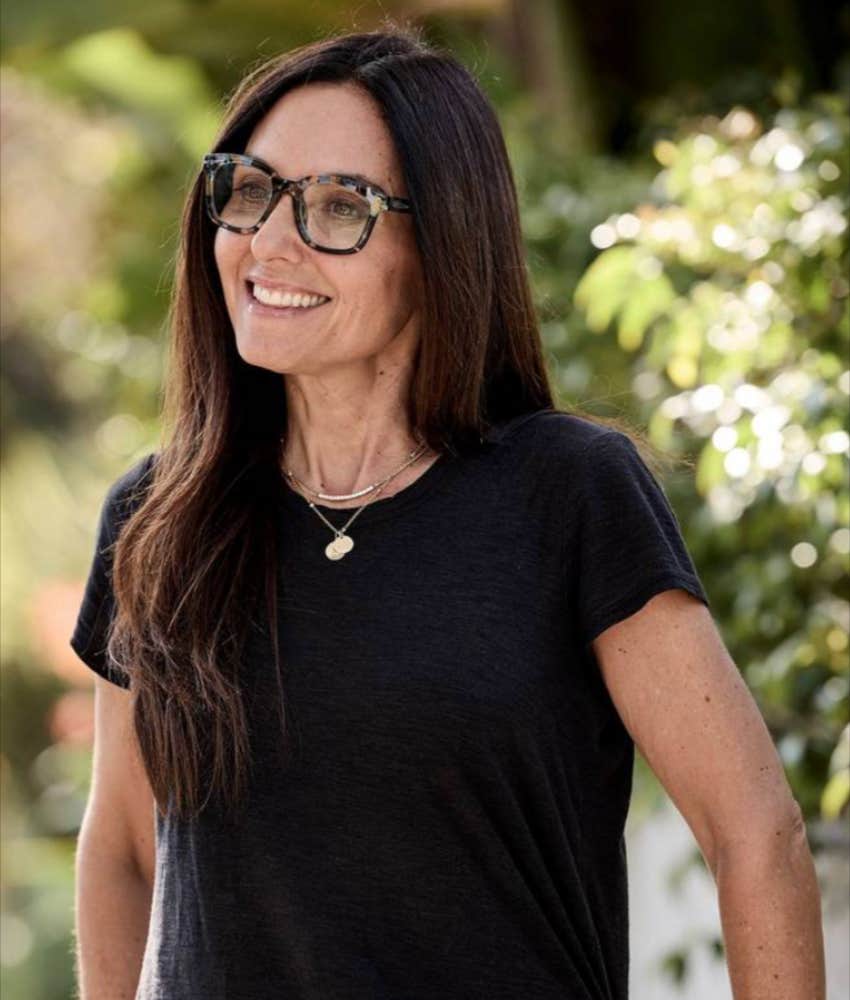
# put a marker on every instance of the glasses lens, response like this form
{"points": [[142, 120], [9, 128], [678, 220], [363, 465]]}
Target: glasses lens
{"points": [[240, 194], [335, 215]]}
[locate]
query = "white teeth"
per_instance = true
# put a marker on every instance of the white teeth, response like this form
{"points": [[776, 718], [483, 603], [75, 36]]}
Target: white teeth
{"points": [[273, 297]]}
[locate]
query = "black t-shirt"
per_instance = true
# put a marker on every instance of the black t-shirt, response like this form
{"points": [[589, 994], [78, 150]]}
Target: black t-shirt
{"points": [[450, 823]]}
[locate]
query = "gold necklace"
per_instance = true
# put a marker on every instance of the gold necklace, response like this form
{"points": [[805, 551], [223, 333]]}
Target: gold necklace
{"points": [[343, 543]]}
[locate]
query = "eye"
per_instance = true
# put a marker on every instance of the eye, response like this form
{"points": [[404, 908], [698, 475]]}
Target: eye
{"points": [[346, 208], [252, 192]]}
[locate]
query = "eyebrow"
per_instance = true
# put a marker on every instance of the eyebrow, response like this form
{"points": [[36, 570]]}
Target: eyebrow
{"points": [[345, 173], [357, 177]]}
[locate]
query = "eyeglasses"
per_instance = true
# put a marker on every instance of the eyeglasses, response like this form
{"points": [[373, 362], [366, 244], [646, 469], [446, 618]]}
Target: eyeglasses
{"points": [[334, 213]]}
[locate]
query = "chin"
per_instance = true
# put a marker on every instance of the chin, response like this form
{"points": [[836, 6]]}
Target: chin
{"points": [[258, 355]]}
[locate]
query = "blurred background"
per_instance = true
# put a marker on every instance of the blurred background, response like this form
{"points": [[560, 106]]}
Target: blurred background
{"points": [[683, 176]]}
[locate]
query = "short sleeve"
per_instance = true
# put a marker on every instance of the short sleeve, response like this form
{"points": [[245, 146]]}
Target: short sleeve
{"points": [[91, 632], [626, 542]]}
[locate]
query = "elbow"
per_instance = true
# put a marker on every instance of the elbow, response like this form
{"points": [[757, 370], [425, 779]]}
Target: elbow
{"points": [[778, 835], [787, 831]]}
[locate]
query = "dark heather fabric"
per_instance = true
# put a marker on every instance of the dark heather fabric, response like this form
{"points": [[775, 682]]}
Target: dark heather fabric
{"points": [[450, 824]]}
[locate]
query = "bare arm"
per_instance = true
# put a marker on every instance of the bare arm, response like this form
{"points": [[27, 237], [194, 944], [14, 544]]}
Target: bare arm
{"points": [[112, 913], [115, 861], [771, 916], [686, 706]]}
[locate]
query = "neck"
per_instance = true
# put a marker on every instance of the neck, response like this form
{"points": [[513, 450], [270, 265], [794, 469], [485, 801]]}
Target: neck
{"points": [[343, 449], [381, 481]]}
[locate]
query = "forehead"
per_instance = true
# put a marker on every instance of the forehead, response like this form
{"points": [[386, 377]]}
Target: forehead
{"points": [[326, 128]]}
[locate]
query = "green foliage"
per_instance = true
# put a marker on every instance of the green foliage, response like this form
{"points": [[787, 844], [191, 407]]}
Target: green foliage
{"points": [[729, 285]]}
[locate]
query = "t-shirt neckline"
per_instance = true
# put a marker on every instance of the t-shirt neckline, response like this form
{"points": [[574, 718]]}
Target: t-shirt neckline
{"points": [[375, 509], [383, 507]]}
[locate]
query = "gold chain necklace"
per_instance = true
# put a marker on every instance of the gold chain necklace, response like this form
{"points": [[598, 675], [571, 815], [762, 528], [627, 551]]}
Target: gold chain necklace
{"points": [[343, 543]]}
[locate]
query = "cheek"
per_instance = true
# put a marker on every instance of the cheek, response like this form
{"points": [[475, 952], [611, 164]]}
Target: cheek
{"points": [[405, 278], [227, 253], [384, 294], [415, 284]]}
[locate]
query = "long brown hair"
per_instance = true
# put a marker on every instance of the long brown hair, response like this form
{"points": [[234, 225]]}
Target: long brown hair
{"points": [[195, 561]]}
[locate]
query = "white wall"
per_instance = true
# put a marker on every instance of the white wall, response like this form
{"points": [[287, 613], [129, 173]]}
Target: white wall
{"points": [[662, 919]]}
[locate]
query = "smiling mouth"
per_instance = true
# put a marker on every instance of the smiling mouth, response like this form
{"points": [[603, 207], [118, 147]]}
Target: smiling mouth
{"points": [[288, 301]]}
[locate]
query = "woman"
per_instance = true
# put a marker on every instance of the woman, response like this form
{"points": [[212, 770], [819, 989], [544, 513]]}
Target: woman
{"points": [[382, 621]]}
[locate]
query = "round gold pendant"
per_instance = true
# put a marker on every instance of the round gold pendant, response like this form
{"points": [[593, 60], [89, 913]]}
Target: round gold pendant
{"points": [[345, 543], [341, 545]]}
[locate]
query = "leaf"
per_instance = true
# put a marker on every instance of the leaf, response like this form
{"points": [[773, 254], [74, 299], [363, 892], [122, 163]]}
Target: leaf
{"points": [[710, 470], [835, 795], [606, 286], [650, 299]]}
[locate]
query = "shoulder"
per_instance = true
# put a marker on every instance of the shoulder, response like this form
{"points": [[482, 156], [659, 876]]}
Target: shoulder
{"points": [[132, 483], [588, 469], [567, 441], [126, 493], [571, 464]]}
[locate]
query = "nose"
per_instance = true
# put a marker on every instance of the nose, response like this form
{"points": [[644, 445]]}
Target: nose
{"points": [[278, 235]]}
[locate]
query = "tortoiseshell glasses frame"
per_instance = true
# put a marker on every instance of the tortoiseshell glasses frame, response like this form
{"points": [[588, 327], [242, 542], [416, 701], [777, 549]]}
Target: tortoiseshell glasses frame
{"points": [[377, 200]]}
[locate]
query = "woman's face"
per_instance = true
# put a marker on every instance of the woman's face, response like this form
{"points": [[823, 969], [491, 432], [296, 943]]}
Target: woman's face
{"points": [[371, 319]]}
